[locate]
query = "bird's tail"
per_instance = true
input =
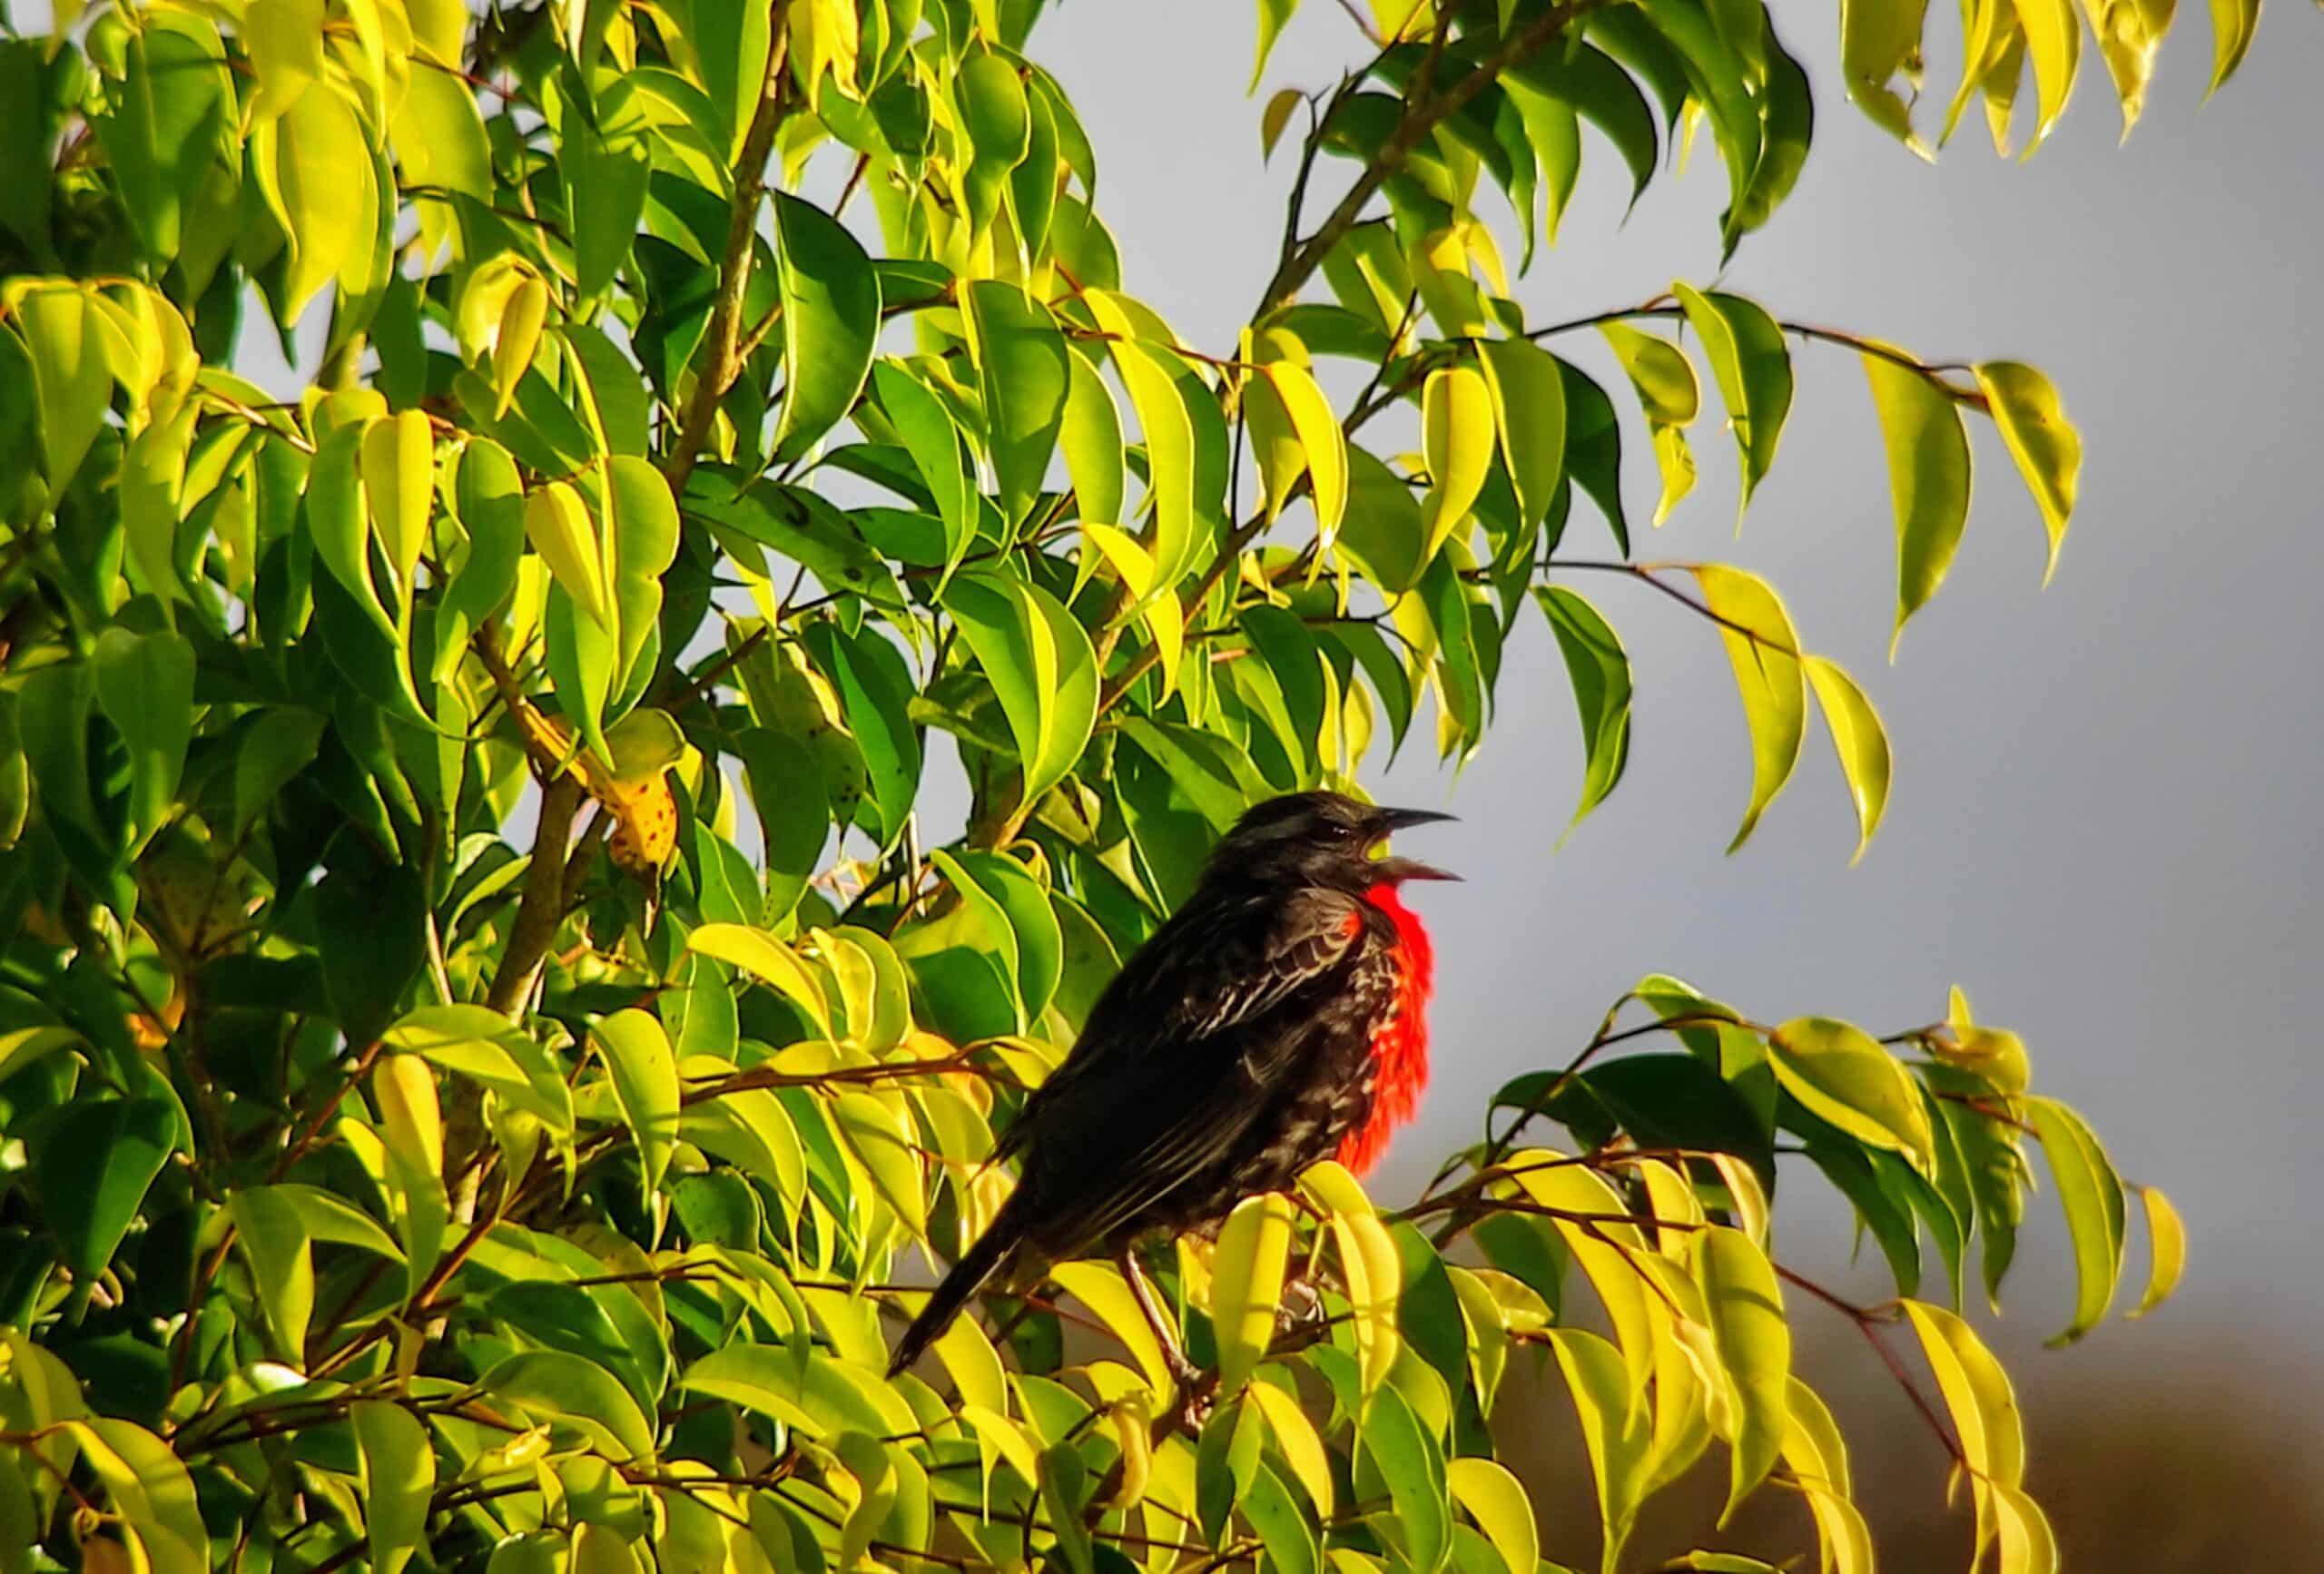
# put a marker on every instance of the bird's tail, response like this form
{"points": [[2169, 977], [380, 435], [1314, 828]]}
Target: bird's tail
{"points": [[967, 1277]]}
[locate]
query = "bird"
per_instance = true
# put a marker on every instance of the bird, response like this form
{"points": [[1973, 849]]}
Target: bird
{"points": [[1276, 1020]]}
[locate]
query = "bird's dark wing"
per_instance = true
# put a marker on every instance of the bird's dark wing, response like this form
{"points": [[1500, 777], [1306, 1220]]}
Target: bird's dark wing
{"points": [[1169, 1073]]}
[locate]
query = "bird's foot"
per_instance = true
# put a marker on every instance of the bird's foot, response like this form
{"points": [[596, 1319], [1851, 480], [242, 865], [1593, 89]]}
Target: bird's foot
{"points": [[1299, 1311], [1197, 1391]]}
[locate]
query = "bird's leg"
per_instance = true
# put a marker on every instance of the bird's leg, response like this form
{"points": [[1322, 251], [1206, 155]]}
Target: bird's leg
{"points": [[1183, 1371]]}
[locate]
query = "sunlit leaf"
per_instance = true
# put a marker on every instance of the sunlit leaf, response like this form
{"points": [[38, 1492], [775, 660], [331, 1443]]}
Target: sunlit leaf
{"points": [[1765, 654], [2167, 1247], [2090, 1195], [1844, 1076], [1859, 740], [1246, 1283], [2045, 445], [831, 319], [1749, 362], [1600, 673]]}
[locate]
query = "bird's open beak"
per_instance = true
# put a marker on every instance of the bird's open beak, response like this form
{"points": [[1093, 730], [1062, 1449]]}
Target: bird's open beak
{"points": [[1402, 869]]}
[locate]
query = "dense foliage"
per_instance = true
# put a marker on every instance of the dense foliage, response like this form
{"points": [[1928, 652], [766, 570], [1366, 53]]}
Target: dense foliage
{"points": [[429, 1139]]}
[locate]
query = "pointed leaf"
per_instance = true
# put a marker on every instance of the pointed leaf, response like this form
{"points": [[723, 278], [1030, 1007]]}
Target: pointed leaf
{"points": [[1860, 741], [2045, 445], [2090, 1195], [1246, 1284], [1843, 1076], [830, 322], [1765, 654]]}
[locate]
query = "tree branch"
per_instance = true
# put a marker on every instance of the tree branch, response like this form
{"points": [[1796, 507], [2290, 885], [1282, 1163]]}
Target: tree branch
{"points": [[1425, 111], [724, 334]]}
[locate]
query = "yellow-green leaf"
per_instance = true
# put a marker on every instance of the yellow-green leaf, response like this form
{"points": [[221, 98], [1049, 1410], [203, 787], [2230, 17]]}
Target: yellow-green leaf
{"points": [[2028, 1545], [1099, 1287], [525, 309], [1273, 15], [770, 961], [2233, 21], [1297, 1439], [1246, 1284], [1492, 1497], [1984, 1407], [274, 1242], [1878, 39], [1928, 478], [1321, 440], [1614, 1432], [1600, 671], [1745, 1309], [557, 523], [644, 1073], [1529, 416], [2054, 44], [2090, 1194], [1859, 740], [1765, 654], [1370, 1267], [1752, 368], [2045, 445], [2167, 1246], [1277, 114], [1457, 431], [1843, 1076], [1818, 1459], [399, 1476], [1609, 1252], [321, 170], [399, 487]]}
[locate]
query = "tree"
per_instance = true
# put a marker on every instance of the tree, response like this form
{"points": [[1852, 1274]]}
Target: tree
{"points": [[429, 1139]]}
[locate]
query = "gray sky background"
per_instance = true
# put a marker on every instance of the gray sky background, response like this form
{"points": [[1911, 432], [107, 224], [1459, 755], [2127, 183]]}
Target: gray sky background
{"points": [[2103, 820]]}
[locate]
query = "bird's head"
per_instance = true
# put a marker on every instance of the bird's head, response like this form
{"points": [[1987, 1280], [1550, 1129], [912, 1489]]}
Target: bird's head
{"points": [[1323, 838]]}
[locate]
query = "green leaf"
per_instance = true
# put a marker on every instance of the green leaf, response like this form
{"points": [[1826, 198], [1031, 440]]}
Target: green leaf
{"points": [[1615, 1431], [399, 1477], [1384, 535], [830, 322], [1842, 1076], [149, 1487], [1928, 478], [1272, 15], [1410, 1464], [605, 183], [90, 1171], [272, 1235], [933, 440], [1492, 1497], [1090, 432], [1166, 427], [1859, 740], [369, 925], [145, 688], [770, 961], [794, 814], [318, 162], [60, 331], [581, 1394], [1983, 1409], [1599, 669], [1605, 94], [1528, 392], [2167, 1244], [1042, 666], [1744, 1305], [1246, 1284], [642, 527], [169, 124], [646, 1085], [1878, 40], [1753, 370], [2090, 1194], [1765, 654], [875, 692], [2045, 445], [1026, 373]]}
